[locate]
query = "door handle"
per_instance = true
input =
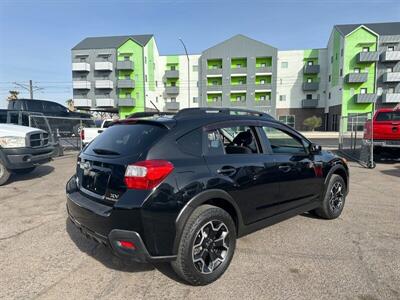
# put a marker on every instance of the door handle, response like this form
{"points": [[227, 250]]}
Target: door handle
{"points": [[285, 168], [226, 170]]}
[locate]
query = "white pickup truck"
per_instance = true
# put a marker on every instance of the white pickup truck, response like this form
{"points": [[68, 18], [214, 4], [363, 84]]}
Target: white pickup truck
{"points": [[89, 134], [22, 148]]}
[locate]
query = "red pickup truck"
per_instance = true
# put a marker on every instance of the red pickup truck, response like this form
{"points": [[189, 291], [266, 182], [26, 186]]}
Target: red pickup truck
{"points": [[386, 131]]}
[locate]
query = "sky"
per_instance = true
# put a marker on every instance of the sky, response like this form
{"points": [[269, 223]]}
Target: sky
{"points": [[36, 36]]}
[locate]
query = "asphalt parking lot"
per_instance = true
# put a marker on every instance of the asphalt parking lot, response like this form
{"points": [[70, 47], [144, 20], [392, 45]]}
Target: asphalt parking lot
{"points": [[354, 257]]}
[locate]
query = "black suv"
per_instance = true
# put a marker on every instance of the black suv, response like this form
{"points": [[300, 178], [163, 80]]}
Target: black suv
{"points": [[183, 188]]}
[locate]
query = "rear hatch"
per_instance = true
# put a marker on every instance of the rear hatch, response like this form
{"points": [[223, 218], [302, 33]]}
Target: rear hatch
{"points": [[102, 164], [387, 125]]}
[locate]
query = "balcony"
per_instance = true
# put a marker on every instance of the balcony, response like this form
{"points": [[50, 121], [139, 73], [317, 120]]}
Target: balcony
{"points": [[214, 103], [238, 87], [104, 84], [311, 69], [125, 65], [309, 103], [217, 71], [103, 66], [356, 77], [263, 87], [367, 57], [172, 105], [242, 70], [262, 103], [80, 67], [171, 74], [391, 77], [83, 103], [310, 86], [105, 102], [390, 56], [264, 70], [126, 84], [391, 98], [123, 102], [172, 90], [365, 98], [81, 85], [214, 88]]}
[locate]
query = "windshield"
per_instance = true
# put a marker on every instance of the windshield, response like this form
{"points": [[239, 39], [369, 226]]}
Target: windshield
{"points": [[125, 139]]}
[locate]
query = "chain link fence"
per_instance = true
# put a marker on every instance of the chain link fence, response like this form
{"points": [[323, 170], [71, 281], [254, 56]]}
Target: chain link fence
{"points": [[356, 138]]}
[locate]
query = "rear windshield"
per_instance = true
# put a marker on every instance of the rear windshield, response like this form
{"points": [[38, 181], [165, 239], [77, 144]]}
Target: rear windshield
{"points": [[388, 116], [125, 139]]}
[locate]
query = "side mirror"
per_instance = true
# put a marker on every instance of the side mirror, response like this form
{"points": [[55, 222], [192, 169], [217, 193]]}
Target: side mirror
{"points": [[315, 148]]}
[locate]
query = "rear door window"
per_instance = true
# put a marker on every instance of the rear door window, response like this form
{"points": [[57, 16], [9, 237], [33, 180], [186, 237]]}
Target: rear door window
{"points": [[388, 116], [125, 139]]}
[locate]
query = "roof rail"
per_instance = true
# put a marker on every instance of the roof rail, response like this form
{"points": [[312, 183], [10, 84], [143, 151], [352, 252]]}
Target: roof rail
{"points": [[199, 111]]}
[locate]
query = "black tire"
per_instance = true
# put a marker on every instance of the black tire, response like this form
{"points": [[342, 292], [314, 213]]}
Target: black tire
{"points": [[4, 174], [333, 202], [203, 219], [24, 171]]}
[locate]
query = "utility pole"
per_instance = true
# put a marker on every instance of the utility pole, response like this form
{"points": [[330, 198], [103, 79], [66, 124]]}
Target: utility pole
{"points": [[29, 87], [188, 70]]}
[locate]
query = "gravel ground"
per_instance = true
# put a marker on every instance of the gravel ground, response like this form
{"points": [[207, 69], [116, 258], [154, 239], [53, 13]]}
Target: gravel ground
{"points": [[356, 256]]}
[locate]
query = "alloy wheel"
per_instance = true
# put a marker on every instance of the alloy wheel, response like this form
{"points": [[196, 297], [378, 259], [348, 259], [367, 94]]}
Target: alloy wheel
{"points": [[336, 197]]}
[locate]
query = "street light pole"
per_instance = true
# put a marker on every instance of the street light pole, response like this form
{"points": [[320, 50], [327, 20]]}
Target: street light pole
{"points": [[188, 70]]}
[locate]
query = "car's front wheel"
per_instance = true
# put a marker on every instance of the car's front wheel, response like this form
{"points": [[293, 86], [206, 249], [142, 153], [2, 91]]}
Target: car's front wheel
{"points": [[207, 245], [4, 174], [335, 196]]}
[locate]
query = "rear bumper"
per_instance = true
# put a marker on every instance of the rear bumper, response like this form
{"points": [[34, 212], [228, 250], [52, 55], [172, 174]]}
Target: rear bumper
{"points": [[384, 143], [102, 224], [20, 158]]}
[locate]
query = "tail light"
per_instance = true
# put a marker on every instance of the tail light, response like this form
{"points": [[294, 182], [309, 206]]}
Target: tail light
{"points": [[145, 175], [82, 134]]}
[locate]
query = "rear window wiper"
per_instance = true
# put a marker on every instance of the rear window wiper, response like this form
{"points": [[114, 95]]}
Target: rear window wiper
{"points": [[105, 151]]}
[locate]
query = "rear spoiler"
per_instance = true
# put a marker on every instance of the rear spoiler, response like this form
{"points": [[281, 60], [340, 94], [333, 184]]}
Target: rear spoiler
{"points": [[166, 123]]}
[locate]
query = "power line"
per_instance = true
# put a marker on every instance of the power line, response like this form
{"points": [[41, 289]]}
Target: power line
{"points": [[29, 87]]}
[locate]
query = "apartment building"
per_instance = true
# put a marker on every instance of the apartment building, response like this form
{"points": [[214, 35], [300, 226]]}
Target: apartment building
{"points": [[359, 67]]}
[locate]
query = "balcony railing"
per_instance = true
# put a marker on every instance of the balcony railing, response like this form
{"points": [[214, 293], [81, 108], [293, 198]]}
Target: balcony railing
{"points": [[103, 66], [367, 57], [81, 67], [214, 88], [171, 74], [310, 86], [309, 103], [214, 103], [262, 103], [172, 90], [263, 86], [104, 84], [391, 77], [82, 102], [81, 85], [263, 70], [125, 65], [356, 77], [365, 98], [391, 98], [217, 71], [172, 105], [105, 102], [311, 69], [242, 70], [390, 56], [238, 87], [126, 84], [126, 102]]}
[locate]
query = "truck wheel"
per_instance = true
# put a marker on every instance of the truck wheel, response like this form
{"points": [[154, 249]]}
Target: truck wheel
{"points": [[4, 174], [24, 171], [206, 247], [333, 202]]}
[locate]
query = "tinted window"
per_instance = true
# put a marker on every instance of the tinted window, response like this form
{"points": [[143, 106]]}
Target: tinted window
{"points": [[125, 139], [282, 142], [107, 124], [3, 116], [191, 142], [34, 105], [54, 107], [388, 116]]}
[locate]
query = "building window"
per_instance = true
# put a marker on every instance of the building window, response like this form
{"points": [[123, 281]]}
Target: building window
{"points": [[195, 100], [262, 98], [173, 68], [379, 91], [309, 80], [282, 98], [288, 120], [329, 95], [262, 81], [145, 59], [82, 59], [126, 58], [390, 48], [284, 65], [341, 52], [215, 82], [173, 99], [363, 90], [310, 63], [309, 96], [365, 49], [329, 78], [145, 78], [127, 95], [215, 66], [156, 99], [390, 90], [241, 81], [389, 69], [173, 83], [341, 72], [195, 68], [357, 70], [331, 59], [156, 83], [263, 65], [238, 98], [238, 65]]}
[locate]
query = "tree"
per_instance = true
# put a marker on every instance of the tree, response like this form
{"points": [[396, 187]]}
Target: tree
{"points": [[312, 122], [70, 104], [13, 95]]}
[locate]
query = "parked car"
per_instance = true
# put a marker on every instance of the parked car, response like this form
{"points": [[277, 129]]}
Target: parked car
{"points": [[22, 149], [385, 126], [61, 119], [89, 134], [183, 188]]}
